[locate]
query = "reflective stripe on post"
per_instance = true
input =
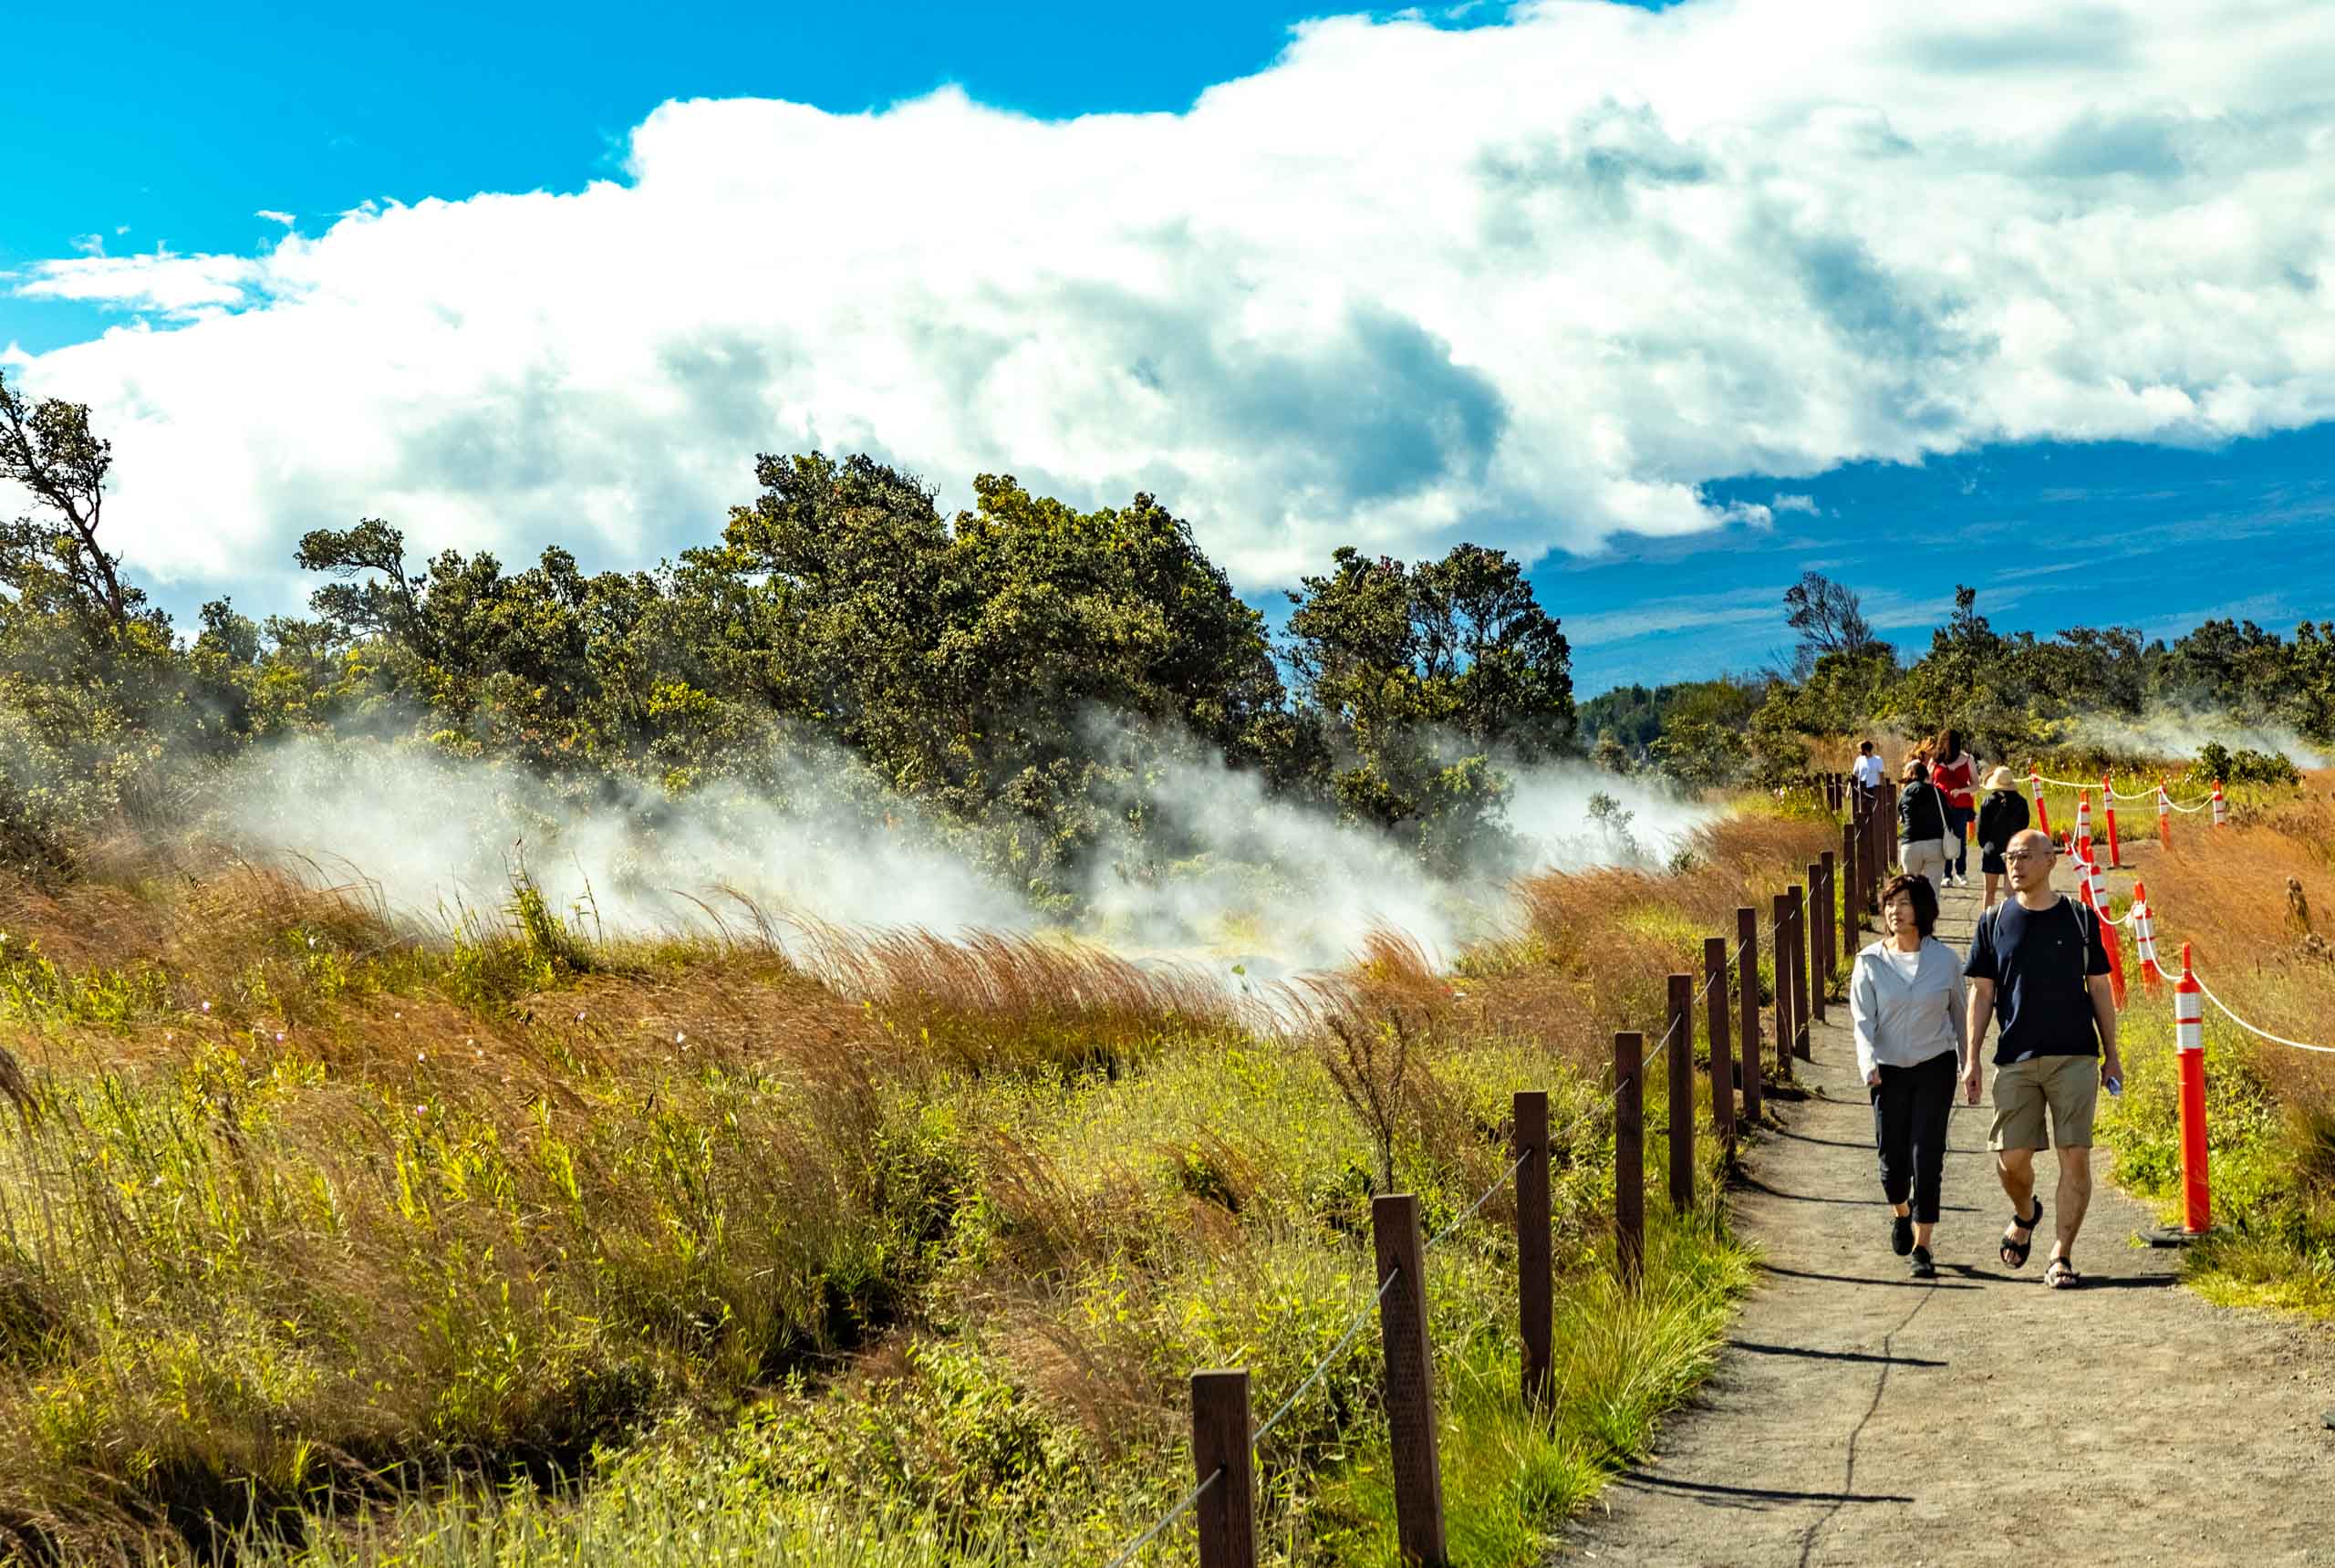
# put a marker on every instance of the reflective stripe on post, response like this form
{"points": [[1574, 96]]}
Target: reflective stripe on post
{"points": [[2221, 806], [2042, 817], [2189, 1040], [2144, 936], [2083, 813]]}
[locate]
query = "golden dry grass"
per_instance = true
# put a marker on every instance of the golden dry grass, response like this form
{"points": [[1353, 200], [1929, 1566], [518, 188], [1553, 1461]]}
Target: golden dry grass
{"points": [[290, 1192]]}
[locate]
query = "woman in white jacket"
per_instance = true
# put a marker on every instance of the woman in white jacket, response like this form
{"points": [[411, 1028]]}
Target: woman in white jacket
{"points": [[1907, 1007]]}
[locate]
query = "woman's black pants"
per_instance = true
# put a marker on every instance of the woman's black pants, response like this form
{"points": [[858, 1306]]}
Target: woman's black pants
{"points": [[1910, 1109]]}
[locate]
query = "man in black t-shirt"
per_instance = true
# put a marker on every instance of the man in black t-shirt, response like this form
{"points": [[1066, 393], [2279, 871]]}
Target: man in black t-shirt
{"points": [[2038, 967]]}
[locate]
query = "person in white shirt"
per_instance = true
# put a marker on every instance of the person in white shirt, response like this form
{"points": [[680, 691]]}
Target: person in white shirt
{"points": [[1910, 1016], [1870, 770]]}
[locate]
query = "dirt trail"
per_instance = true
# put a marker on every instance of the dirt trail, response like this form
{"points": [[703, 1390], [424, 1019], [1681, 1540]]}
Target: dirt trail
{"points": [[1859, 1415]]}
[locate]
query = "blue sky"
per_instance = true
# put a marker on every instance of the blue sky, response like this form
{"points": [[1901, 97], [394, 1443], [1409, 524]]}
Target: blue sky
{"points": [[2028, 306], [187, 128]]}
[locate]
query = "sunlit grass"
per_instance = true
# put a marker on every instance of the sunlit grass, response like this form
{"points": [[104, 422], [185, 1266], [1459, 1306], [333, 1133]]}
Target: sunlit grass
{"points": [[313, 1231], [2270, 1110]]}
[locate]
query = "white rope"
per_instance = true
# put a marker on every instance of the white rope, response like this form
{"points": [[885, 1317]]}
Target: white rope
{"points": [[2251, 1029], [2163, 941], [2149, 793]]}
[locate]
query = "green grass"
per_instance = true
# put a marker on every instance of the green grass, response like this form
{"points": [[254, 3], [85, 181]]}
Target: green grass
{"points": [[513, 1246], [2273, 1243]]}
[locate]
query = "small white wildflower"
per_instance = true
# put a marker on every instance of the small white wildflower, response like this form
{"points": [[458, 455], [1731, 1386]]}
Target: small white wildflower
{"points": [[206, 1007], [679, 1036], [421, 1056]]}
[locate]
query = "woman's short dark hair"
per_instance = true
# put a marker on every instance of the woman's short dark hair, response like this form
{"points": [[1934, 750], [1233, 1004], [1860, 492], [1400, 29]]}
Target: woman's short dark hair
{"points": [[1917, 772], [1925, 899]]}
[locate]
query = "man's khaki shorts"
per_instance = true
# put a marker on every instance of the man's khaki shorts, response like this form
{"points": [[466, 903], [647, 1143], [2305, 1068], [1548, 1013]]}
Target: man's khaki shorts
{"points": [[2068, 1086]]}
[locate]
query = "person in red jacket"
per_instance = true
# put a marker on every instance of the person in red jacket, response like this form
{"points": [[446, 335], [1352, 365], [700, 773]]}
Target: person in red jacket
{"points": [[1955, 774]]}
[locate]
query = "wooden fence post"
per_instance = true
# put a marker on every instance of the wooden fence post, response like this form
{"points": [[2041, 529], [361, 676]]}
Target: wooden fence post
{"points": [[1781, 919], [1629, 1158], [1828, 923], [1418, 1470], [1848, 894], [1800, 1041], [1722, 1058], [1679, 1036], [1747, 985], [1226, 1511], [1888, 835], [1819, 952], [1534, 1271]]}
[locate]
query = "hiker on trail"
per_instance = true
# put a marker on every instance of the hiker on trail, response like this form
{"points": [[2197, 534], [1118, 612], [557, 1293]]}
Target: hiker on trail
{"points": [[1869, 769], [2002, 814], [1921, 826], [1906, 1009], [2039, 969], [1954, 771]]}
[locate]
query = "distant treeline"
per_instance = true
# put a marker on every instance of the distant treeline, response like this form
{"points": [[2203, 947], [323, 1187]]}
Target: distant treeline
{"points": [[2102, 693], [1024, 669]]}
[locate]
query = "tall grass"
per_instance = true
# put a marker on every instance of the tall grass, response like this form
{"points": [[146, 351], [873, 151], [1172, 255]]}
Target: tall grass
{"points": [[304, 1216], [2270, 1110]]}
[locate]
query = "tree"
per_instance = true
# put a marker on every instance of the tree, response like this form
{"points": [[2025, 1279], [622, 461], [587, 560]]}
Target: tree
{"points": [[386, 605], [1423, 676], [1829, 617], [48, 450]]}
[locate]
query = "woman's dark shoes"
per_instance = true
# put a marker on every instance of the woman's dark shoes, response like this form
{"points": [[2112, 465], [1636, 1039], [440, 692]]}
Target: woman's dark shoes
{"points": [[1901, 1234], [1924, 1267]]}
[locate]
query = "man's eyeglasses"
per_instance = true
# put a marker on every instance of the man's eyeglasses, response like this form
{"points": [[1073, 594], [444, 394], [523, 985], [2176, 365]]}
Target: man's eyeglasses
{"points": [[2025, 853]]}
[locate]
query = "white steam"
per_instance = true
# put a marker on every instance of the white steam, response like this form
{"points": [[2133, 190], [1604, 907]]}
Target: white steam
{"points": [[1270, 889], [2179, 734]]}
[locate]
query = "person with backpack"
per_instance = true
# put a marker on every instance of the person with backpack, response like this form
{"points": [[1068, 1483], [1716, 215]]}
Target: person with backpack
{"points": [[2002, 815], [2038, 971], [1955, 771], [1921, 826]]}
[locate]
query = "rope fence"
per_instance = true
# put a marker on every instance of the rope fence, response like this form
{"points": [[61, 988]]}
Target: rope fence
{"points": [[1811, 928]]}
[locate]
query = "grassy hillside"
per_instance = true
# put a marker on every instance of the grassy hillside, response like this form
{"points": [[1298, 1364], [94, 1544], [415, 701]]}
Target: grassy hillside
{"points": [[310, 1229], [2270, 1108]]}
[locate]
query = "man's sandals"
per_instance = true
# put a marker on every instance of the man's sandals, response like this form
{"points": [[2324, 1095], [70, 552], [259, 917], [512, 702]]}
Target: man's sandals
{"points": [[2015, 1252], [2060, 1274]]}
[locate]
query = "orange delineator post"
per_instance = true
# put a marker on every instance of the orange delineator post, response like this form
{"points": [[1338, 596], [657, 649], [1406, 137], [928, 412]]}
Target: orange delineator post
{"points": [[2163, 815], [2107, 805], [2144, 938], [2042, 817], [2221, 806], [2095, 894], [2189, 1046], [2083, 813]]}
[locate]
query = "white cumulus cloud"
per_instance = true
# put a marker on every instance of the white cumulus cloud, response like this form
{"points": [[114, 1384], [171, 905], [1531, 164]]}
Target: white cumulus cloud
{"points": [[1529, 284]]}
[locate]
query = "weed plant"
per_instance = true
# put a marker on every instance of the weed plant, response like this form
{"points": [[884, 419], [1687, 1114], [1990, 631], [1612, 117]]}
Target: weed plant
{"points": [[324, 1240]]}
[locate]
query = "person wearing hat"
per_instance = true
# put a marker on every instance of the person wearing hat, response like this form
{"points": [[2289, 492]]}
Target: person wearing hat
{"points": [[2000, 815]]}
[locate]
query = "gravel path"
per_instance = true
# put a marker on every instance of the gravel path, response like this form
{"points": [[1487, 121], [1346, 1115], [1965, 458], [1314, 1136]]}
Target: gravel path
{"points": [[1862, 1417]]}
